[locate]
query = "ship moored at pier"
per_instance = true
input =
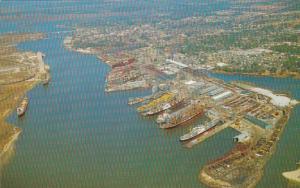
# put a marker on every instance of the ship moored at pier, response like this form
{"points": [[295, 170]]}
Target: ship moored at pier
{"points": [[201, 129], [21, 109], [181, 116]]}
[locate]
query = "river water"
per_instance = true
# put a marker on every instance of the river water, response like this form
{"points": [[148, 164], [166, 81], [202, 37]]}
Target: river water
{"points": [[75, 135]]}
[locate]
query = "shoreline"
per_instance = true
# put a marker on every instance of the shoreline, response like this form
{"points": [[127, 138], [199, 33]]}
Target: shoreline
{"points": [[38, 71], [12, 140], [297, 77], [127, 86]]}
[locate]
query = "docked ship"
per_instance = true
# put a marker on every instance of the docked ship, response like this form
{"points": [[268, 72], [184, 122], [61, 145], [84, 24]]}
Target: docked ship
{"points": [[199, 130], [134, 101], [162, 118], [21, 109], [167, 121], [146, 99], [165, 106], [47, 80], [166, 97]]}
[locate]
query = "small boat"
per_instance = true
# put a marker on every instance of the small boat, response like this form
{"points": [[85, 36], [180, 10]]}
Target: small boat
{"points": [[47, 80], [21, 109], [135, 101]]}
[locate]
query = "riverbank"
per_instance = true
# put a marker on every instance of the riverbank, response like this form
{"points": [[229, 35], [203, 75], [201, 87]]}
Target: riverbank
{"points": [[126, 73], [20, 72], [294, 75], [11, 141]]}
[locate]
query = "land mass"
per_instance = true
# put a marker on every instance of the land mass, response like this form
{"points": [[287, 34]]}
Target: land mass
{"points": [[257, 39], [258, 114], [173, 56], [19, 72]]}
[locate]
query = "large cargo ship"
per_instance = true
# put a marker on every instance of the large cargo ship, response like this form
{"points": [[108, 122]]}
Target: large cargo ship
{"points": [[167, 121], [21, 109], [164, 106], [166, 97], [146, 99], [199, 130]]}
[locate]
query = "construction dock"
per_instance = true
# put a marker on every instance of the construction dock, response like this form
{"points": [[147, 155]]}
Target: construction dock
{"points": [[208, 134], [256, 113]]}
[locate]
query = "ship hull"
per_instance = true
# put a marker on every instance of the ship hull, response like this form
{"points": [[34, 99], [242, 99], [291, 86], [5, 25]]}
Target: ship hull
{"points": [[208, 128], [136, 101], [22, 108], [197, 135], [162, 110], [20, 114], [169, 126]]}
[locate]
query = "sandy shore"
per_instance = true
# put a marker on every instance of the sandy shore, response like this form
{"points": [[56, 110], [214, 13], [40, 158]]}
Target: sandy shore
{"points": [[292, 175], [10, 143]]}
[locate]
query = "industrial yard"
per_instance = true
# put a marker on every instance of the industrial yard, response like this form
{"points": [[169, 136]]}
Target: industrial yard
{"points": [[174, 93], [183, 92], [257, 114], [176, 64]]}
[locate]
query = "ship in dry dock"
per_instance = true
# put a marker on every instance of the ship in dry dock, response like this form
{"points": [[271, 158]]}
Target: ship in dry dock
{"points": [[166, 97], [181, 116], [137, 100], [165, 106], [201, 129], [21, 109]]}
